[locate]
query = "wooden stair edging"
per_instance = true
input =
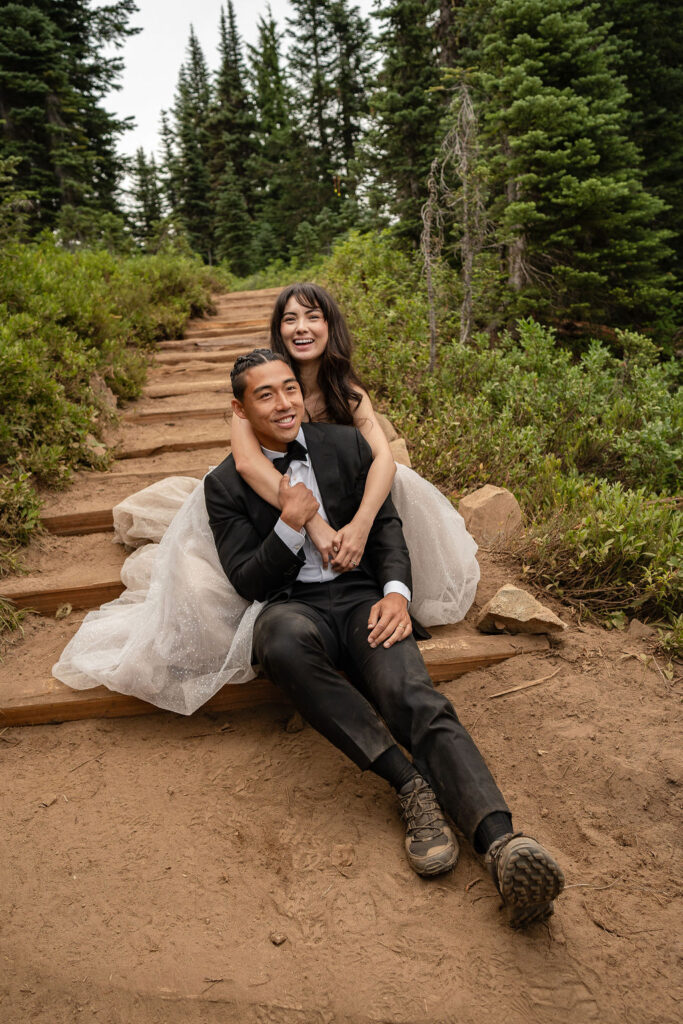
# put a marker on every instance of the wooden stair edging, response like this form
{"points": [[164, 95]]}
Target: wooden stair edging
{"points": [[204, 356], [226, 342], [47, 600], [50, 701], [72, 524], [170, 390], [172, 446], [205, 412]]}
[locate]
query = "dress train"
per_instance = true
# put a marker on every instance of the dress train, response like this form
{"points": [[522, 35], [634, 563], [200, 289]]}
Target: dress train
{"points": [[180, 631]]}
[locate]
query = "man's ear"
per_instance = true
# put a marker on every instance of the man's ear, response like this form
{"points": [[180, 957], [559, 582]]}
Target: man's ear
{"points": [[238, 409]]}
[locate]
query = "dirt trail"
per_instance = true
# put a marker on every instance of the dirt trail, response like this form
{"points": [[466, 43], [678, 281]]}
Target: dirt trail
{"points": [[149, 864]]}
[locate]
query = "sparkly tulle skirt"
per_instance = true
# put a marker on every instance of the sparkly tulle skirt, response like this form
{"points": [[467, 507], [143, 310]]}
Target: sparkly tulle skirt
{"points": [[180, 631]]}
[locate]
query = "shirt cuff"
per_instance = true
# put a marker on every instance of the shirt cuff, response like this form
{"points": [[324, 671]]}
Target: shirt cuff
{"points": [[396, 587], [294, 539]]}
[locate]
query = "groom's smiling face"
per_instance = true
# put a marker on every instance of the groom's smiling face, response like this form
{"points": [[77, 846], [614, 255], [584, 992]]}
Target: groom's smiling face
{"points": [[272, 403]]}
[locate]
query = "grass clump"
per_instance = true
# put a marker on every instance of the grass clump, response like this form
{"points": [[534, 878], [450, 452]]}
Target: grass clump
{"points": [[69, 322], [591, 445]]}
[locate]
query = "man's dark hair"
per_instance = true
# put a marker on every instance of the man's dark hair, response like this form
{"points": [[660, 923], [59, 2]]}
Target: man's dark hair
{"points": [[243, 364]]}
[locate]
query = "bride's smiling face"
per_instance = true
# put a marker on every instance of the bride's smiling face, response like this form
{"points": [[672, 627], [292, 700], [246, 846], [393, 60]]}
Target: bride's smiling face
{"points": [[303, 330]]}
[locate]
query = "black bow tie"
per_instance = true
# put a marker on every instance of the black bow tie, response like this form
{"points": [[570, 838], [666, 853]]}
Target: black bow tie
{"points": [[295, 451]]}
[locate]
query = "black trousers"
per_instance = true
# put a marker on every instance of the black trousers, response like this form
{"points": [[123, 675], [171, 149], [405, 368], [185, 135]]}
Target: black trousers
{"points": [[305, 641]]}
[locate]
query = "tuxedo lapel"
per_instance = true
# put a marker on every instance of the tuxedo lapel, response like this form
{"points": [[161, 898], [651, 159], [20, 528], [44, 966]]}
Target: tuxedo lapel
{"points": [[262, 514], [325, 463]]}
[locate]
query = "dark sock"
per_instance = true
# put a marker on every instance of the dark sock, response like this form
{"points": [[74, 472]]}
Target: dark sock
{"points": [[394, 766], [492, 827]]}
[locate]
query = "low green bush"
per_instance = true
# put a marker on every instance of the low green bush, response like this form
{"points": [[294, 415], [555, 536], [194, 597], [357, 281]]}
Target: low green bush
{"points": [[590, 445], [69, 320]]}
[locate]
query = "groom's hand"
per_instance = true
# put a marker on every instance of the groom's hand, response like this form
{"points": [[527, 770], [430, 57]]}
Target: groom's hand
{"points": [[297, 504], [389, 621]]}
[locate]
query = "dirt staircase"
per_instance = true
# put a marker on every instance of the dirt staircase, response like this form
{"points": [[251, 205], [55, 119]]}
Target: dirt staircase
{"points": [[179, 427]]}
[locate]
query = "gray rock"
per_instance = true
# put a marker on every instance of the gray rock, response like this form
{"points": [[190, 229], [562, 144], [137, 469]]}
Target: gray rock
{"points": [[491, 514], [516, 611]]}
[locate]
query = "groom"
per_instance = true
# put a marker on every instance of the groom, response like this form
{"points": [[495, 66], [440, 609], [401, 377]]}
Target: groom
{"points": [[318, 623]]}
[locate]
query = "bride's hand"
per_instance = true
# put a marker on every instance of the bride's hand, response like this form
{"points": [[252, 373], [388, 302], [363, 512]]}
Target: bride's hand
{"points": [[323, 536], [350, 544]]}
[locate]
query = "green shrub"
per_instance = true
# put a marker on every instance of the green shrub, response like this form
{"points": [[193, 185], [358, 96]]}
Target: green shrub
{"points": [[590, 445], [66, 319]]}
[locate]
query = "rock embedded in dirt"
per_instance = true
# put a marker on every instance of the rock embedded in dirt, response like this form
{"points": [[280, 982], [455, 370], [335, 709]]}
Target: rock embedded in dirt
{"points": [[96, 446], [640, 630], [387, 426], [516, 611], [277, 938], [491, 514], [400, 452], [295, 723]]}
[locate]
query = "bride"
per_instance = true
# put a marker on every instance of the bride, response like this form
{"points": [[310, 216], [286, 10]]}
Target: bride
{"points": [[179, 632]]}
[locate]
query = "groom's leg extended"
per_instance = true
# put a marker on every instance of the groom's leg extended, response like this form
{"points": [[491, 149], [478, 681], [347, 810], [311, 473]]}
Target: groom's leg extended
{"points": [[424, 721], [298, 646], [299, 651]]}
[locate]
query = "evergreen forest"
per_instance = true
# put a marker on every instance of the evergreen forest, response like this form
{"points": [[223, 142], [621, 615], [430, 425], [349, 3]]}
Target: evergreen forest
{"points": [[491, 189]]}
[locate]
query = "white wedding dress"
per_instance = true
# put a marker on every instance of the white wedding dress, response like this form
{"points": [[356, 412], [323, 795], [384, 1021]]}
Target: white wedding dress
{"points": [[180, 631]]}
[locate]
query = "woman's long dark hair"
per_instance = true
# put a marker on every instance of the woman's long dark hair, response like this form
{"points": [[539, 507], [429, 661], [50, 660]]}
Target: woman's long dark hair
{"points": [[337, 378]]}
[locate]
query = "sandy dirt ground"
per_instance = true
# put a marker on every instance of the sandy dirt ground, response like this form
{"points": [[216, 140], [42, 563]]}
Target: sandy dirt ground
{"points": [[224, 869]]}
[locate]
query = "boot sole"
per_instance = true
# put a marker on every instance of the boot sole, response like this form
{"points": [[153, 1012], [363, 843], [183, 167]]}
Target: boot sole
{"points": [[530, 879]]}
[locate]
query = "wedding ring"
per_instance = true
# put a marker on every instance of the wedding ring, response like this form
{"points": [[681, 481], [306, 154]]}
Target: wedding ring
{"points": [[354, 564]]}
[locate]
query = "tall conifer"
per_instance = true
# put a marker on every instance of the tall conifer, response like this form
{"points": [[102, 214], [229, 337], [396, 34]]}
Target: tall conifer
{"points": [[53, 76], [190, 154], [402, 140], [573, 221], [648, 36], [231, 127], [145, 194], [282, 165]]}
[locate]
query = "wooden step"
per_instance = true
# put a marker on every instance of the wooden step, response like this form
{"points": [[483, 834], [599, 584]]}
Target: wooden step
{"points": [[25, 700], [77, 523], [145, 451], [255, 294], [47, 601], [171, 389], [199, 412], [198, 344], [197, 328], [223, 330], [205, 356]]}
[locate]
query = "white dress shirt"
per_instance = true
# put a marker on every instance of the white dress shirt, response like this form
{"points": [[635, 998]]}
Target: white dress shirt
{"points": [[312, 570]]}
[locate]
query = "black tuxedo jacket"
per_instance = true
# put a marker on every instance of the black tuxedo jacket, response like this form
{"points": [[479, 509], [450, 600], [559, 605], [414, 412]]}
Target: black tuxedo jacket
{"points": [[256, 561]]}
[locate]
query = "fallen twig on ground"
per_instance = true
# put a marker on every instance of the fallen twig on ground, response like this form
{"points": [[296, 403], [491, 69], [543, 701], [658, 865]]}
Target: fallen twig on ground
{"points": [[526, 686]]}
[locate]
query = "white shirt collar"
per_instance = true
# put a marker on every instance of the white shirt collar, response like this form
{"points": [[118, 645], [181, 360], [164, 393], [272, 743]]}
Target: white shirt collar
{"points": [[278, 455]]}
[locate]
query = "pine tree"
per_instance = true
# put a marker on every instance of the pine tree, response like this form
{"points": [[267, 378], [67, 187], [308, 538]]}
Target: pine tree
{"points": [[232, 121], [234, 226], [573, 221], [407, 110], [311, 56], [53, 77], [231, 127], [190, 153], [146, 208], [169, 170], [648, 36], [351, 67], [283, 165]]}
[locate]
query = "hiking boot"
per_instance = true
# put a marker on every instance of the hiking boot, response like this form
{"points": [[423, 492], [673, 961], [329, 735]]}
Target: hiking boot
{"points": [[526, 876], [431, 847]]}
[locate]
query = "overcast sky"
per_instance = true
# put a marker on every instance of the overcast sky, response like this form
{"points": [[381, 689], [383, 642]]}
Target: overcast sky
{"points": [[153, 56]]}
